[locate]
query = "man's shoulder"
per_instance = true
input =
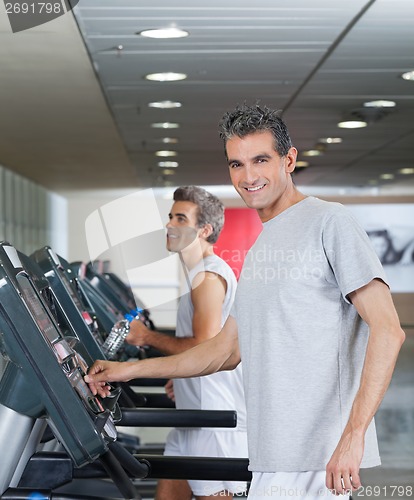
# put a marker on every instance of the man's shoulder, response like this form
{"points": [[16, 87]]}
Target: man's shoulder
{"points": [[214, 261], [326, 210], [324, 205], [215, 264]]}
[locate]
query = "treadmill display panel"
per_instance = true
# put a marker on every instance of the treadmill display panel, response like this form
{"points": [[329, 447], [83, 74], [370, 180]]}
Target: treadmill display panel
{"points": [[37, 310]]}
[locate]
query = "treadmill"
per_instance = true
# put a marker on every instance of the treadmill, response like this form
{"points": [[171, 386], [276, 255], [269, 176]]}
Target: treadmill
{"points": [[43, 384]]}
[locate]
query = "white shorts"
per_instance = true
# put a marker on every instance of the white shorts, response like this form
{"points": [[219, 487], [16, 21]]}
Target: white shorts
{"points": [[308, 485], [206, 443]]}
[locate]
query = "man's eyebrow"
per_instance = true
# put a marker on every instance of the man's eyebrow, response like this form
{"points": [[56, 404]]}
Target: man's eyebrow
{"points": [[231, 160], [257, 157], [262, 155], [178, 214]]}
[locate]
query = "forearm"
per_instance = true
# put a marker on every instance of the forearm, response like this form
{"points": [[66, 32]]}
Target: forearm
{"points": [[374, 304], [219, 353], [176, 366], [382, 351], [342, 470], [168, 344], [203, 359]]}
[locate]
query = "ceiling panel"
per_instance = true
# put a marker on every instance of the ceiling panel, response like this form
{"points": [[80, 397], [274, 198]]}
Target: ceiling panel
{"points": [[77, 99]]}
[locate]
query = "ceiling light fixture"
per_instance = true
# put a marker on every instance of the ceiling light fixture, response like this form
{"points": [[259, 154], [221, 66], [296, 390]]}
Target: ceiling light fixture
{"points": [[169, 140], [165, 154], [409, 75], [330, 140], [352, 124], [312, 152], [387, 177], [380, 103], [406, 171], [164, 104], [168, 76], [168, 164], [164, 33], [302, 163], [165, 125], [168, 171]]}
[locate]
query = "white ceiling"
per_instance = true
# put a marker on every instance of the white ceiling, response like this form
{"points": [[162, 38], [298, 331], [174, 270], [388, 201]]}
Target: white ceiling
{"points": [[317, 60]]}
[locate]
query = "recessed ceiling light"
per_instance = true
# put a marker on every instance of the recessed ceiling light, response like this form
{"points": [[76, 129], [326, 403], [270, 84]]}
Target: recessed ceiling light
{"points": [[409, 75], [168, 171], [406, 171], [330, 140], [164, 33], [168, 164], [164, 104], [165, 154], [302, 163], [380, 103], [352, 124], [165, 125], [168, 76], [169, 140], [387, 177], [312, 152]]}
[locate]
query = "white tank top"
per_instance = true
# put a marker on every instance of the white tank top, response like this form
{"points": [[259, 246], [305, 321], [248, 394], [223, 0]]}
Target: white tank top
{"points": [[222, 390]]}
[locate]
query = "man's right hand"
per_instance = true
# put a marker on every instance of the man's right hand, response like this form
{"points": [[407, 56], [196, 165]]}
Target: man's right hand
{"points": [[102, 372]]}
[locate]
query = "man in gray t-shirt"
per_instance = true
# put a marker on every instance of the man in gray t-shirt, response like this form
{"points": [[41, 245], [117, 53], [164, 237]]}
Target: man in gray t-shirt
{"points": [[295, 284], [317, 329], [313, 322]]}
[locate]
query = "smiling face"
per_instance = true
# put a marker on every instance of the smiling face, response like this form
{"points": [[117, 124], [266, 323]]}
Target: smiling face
{"points": [[260, 175], [182, 228]]}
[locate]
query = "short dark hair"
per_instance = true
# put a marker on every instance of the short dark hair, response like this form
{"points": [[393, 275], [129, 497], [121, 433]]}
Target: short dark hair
{"points": [[244, 120], [210, 208]]}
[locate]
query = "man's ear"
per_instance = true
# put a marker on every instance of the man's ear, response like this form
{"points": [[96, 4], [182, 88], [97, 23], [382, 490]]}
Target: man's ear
{"points": [[206, 231], [291, 160]]}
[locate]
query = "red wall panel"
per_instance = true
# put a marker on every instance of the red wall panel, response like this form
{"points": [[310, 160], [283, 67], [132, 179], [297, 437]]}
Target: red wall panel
{"points": [[241, 228]]}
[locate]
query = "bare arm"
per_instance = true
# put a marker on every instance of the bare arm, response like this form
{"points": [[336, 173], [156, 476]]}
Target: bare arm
{"points": [[374, 304], [207, 296], [219, 353]]}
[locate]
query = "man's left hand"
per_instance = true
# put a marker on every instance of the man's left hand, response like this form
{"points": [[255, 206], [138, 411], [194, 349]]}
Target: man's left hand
{"points": [[342, 471]]}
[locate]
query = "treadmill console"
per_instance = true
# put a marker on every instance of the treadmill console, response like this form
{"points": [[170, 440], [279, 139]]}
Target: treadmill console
{"points": [[44, 375], [65, 288]]}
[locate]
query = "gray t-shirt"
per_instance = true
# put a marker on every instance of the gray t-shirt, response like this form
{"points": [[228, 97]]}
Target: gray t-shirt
{"points": [[302, 343]]}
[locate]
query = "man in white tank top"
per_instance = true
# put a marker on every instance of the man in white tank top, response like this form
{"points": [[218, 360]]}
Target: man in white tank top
{"points": [[196, 219]]}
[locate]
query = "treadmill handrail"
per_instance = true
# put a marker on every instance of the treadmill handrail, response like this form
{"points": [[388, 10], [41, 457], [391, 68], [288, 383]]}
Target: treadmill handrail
{"points": [[203, 468], [173, 467], [163, 417]]}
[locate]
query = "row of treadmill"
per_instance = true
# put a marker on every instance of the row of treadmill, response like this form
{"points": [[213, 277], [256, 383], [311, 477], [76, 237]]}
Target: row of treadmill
{"points": [[58, 440]]}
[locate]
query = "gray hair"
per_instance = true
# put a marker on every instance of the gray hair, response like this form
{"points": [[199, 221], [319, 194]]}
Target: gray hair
{"points": [[210, 208], [244, 120]]}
